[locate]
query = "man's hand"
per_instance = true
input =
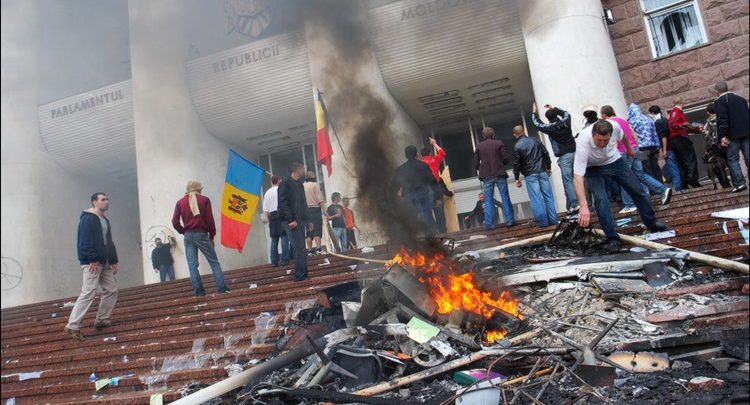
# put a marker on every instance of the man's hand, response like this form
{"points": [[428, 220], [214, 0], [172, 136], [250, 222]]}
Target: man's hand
{"points": [[584, 216], [115, 268], [433, 142], [548, 106], [549, 172], [212, 243], [309, 227], [663, 154], [94, 267], [533, 107], [725, 141], [519, 184], [293, 225], [631, 153], [466, 218]]}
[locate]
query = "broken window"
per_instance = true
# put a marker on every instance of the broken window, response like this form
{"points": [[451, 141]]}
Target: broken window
{"points": [[673, 26]]}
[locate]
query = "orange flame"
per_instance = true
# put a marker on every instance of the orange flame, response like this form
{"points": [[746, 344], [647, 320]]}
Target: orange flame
{"points": [[452, 291], [491, 336]]}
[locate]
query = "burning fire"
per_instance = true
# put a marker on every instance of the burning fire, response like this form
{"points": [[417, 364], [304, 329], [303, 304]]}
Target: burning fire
{"points": [[453, 291]]}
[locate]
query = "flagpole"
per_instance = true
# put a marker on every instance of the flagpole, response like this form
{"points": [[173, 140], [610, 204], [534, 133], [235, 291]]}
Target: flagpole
{"points": [[330, 121]]}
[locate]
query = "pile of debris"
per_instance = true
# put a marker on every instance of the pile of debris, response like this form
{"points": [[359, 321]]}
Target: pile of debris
{"points": [[556, 322]]}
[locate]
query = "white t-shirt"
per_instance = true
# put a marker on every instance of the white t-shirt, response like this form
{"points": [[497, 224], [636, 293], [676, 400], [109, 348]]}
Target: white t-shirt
{"points": [[271, 199], [588, 154]]}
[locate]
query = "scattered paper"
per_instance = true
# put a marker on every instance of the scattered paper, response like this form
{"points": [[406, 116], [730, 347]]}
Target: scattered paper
{"points": [[420, 331], [367, 249], [253, 285], [661, 235], [475, 237], [29, 376], [738, 213], [623, 221], [110, 339], [326, 262], [99, 384], [156, 399]]}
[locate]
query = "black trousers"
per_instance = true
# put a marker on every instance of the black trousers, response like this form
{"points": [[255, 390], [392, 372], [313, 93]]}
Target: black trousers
{"points": [[685, 154], [650, 159]]}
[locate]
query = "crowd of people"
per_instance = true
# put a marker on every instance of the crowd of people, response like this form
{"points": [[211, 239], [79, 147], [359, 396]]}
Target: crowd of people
{"points": [[610, 158]]}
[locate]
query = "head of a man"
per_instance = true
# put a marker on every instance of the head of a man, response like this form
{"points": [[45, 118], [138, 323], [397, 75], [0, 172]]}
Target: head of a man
{"points": [[310, 176], [158, 241], [193, 186], [551, 115], [721, 88], [100, 201], [297, 170], [275, 180], [607, 112], [345, 202], [426, 151], [336, 197], [488, 133], [654, 110], [410, 152], [518, 131], [601, 133], [677, 102], [710, 109], [481, 196]]}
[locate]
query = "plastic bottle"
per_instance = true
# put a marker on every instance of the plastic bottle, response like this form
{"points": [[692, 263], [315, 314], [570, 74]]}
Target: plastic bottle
{"points": [[92, 377]]}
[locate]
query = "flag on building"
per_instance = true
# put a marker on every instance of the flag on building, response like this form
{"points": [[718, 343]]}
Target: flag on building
{"points": [[325, 151], [242, 189]]}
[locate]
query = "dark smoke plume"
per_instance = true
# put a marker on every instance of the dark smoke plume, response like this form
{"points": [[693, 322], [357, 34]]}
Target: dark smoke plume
{"points": [[342, 23]]}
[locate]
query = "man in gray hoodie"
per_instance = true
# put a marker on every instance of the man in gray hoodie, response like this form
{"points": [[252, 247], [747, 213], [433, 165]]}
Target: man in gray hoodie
{"points": [[98, 257]]}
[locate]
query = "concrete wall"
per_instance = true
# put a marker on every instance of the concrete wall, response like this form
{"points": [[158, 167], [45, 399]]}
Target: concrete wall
{"points": [[690, 74], [404, 129], [172, 145], [41, 202]]}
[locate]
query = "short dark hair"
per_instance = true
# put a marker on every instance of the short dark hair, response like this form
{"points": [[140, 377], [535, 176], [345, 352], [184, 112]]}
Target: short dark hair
{"points": [[410, 152], [711, 108], [345, 199], [591, 116], [294, 166], [488, 133], [335, 196], [551, 114], [721, 87], [608, 110], [602, 127], [426, 151], [275, 180], [654, 109], [95, 196]]}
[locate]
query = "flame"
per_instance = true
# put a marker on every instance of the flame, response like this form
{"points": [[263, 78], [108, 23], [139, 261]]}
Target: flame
{"points": [[491, 336], [453, 291]]}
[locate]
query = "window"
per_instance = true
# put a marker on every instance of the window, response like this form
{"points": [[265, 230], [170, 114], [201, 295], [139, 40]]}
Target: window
{"points": [[673, 25]]}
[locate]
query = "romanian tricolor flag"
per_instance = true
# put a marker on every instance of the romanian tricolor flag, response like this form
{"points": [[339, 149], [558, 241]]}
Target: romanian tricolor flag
{"points": [[240, 199], [325, 151]]}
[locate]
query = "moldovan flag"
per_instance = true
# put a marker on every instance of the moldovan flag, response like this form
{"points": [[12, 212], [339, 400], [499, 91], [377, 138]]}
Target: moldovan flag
{"points": [[240, 199], [325, 151]]}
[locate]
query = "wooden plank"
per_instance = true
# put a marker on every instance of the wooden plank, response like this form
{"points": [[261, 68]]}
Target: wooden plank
{"points": [[682, 313], [449, 204], [726, 285], [726, 320]]}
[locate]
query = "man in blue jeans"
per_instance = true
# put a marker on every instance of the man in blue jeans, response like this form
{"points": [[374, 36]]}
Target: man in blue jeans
{"points": [[733, 128], [531, 159], [194, 220], [276, 230], [597, 158], [415, 181], [490, 159], [293, 216]]}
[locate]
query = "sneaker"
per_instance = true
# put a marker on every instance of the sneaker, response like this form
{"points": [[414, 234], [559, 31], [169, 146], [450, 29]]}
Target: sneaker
{"points": [[658, 226], [75, 334], [573, 210], [103, 324], [740, 188], [320, 252], [666, 197], [627, 210], [613, 245], [200, 294], [224, 291], [310, 253]]}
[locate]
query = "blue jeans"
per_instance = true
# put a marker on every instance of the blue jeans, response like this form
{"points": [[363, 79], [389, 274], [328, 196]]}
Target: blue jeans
{"points": [[650, 184], [193, 242], [672, 170], [733, 159], [618, 172], [340, 234], [297, 243], [166, 270], [541, 198], [566, 170], [488, 187], [275, 249], [422, 203]]}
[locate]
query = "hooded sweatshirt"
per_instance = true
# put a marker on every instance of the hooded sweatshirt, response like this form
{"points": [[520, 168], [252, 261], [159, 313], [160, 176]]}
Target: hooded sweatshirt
{"points": [[645, 128], [95, 239]]}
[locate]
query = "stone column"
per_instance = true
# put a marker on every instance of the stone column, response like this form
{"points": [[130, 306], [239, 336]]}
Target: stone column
{"points": [[172, 145], [571, 60]]}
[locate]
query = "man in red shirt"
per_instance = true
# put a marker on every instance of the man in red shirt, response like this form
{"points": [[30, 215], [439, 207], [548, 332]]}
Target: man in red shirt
{"points": [[434, 161], [199, 229], [679, 129]]}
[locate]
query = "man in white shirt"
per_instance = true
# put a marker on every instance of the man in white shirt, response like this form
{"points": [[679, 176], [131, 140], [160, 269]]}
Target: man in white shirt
{"points": [[596, 159], [270, 208]]}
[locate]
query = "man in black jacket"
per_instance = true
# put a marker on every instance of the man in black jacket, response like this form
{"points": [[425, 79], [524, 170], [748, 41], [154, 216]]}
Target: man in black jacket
{"points": [[98, 257], [161, 259], [490, 159], [415, 181], [563, 145], [293, 216], [733, 127], [531, 159], [672, 169]]}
